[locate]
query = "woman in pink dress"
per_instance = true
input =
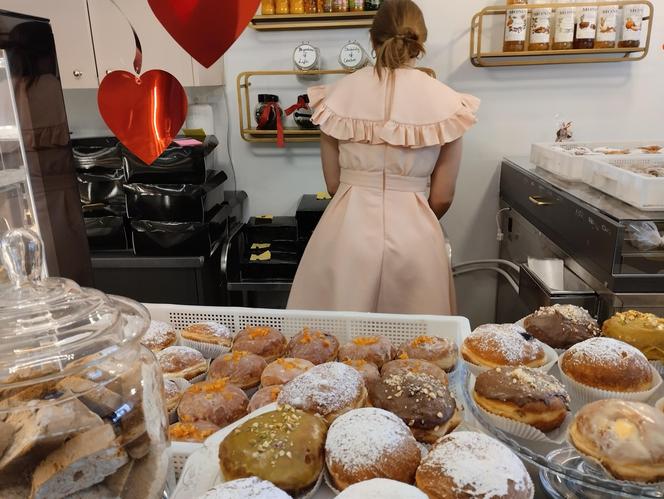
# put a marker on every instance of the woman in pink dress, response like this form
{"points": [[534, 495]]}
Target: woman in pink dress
{"points": [[391, 150]]}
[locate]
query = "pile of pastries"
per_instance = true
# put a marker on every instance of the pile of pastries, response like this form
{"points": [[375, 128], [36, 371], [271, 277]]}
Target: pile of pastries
{"points": [[609, 372]]}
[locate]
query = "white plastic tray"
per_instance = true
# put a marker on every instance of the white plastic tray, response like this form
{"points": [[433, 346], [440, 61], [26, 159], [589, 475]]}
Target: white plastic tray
{"points": [[645, 193], [555, 158], [344, 325]]}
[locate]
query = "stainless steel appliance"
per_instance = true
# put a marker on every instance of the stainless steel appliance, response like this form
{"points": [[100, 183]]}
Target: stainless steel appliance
{"points": [[575, 245]]}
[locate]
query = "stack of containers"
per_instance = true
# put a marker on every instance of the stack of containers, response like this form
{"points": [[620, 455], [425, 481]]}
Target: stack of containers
{"points": [[100, 179], [176, 205], [271, 249]]}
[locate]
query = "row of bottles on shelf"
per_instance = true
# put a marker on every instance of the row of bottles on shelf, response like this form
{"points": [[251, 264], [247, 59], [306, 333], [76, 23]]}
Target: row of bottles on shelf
{"points": [[571, 27], [270, 7]]}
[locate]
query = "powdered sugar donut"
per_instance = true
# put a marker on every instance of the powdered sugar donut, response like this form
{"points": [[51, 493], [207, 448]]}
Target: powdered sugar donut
{"points": [[496, 345]]}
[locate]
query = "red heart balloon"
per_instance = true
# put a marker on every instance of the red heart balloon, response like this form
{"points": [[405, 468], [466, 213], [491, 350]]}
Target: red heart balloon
{"points": [[205, 28], [144, 112]]}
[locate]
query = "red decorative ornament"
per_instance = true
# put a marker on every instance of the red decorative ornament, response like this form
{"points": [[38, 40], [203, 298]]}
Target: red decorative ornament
{"points": [[144, 112], [205, 28]]}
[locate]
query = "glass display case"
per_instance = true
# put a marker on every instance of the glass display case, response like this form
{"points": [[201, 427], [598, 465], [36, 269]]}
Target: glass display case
{"points": [[16, 201]]}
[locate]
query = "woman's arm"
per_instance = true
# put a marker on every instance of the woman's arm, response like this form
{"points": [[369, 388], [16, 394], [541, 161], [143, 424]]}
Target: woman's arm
{"points": [[329, 155], [444, 176]]}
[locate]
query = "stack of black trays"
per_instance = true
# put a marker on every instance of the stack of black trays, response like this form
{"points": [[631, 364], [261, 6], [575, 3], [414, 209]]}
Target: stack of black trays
{"points": [[271, 249], [309, 212], [100, 180], [174, 207]]}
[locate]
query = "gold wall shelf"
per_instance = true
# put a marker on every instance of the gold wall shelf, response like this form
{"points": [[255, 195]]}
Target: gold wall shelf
{"points": [[249, 133], [327, 20], [481, 58]]}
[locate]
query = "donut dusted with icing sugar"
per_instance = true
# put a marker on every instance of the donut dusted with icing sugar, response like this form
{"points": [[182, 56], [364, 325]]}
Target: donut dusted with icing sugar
{"points": [[246, 488], [382, 488], [159, 335], [496, 345], [607, 364], [626, 437], [329, 390], [467, 464], [370, 443], [439, 351], [209, 332]]}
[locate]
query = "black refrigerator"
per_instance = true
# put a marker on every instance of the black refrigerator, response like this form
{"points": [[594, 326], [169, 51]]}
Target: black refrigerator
{"points": [[38, 186]]}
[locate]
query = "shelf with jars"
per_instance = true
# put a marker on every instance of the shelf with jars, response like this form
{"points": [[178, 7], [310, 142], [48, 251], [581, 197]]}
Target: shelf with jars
{"points": [[281, 15], [563, 32]]}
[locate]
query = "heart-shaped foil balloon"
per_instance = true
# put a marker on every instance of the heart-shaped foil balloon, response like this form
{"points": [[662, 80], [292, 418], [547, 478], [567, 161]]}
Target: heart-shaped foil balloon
{"points": [[144, 112], [205, 28]]}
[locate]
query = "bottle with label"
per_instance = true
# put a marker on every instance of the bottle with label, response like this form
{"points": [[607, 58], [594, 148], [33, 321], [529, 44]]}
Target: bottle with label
{"points": [[268, 7], [371, 4], [282, 6], [516, 22], [297, 6], [356, 5], [607, 24], [631, 26], [327, 6], [585, 27], [320, 6], [540, 28], [310, 7], [563, 34]]}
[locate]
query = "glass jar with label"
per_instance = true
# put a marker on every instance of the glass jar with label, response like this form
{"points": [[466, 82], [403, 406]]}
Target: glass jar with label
{"points": [[607, 22], [516, 21], [353, 56], [282, 6], [268, 7], [297, 6], [631, 26], [563, 34], [585, 27], [339, 5], [540, 28], [371, 4], [306, 57]]}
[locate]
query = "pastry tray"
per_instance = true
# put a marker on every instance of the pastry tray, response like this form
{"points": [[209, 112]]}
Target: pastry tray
{"points": [[559, 159]]}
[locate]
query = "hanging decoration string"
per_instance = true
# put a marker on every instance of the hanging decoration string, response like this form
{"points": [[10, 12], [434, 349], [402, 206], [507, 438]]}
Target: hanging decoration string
{"points": [[138, 56]]}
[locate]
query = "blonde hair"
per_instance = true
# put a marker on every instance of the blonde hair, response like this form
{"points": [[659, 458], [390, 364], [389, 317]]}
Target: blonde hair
{"points": [[398, 34]]}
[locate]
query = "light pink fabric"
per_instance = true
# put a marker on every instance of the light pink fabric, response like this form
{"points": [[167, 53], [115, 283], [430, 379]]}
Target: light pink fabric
{"points": [[379, 247]]}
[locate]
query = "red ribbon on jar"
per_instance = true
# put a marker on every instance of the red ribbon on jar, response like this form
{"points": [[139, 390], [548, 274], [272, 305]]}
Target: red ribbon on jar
{"points": [[302, 103], [265, 119]]}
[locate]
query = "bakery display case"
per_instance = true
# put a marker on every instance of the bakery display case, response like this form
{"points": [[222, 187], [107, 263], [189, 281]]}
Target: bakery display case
{"points": [[82, 405]]}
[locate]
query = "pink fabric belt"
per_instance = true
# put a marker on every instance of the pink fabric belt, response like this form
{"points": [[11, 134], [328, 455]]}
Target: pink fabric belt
{"points": [[380, 181]]}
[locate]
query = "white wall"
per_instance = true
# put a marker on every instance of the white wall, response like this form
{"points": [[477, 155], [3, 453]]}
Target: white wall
{"points": [[519, 107]]}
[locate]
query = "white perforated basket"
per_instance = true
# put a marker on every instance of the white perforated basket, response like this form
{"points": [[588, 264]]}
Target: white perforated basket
{"points": [[559, 159], [344, 325], [643, 192]]}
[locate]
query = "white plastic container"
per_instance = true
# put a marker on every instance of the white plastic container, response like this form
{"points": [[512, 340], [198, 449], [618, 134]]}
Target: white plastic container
{"points": [[645, 193], [561, 160]]}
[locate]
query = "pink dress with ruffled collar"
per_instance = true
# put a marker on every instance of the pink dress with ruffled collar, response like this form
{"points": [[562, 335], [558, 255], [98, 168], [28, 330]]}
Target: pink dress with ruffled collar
{"points": [[379, 247]]}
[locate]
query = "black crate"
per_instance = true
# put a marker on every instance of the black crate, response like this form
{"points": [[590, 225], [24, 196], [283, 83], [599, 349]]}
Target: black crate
{"points": [[106, 233], [268, 230], [309, 212]]}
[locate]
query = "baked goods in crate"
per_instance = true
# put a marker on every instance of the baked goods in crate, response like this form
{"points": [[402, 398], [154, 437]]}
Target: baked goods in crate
{"points": [[369, 371], [370, 443], [182, 362], [421, 401], [209, 332], [246, 488], [376, 349], [468, 464], [495, 345], [382, 488], [173, 392], [415, 366], [285, 447], [328, 390], [561, 326], [318, 347], [641, 330], [264, 396], [626, 437], [159, 335], [439, 351], [607, 364], [242, 369], [283, 370], [523, 394], [196, 431], [264, 341], [217, 402]]}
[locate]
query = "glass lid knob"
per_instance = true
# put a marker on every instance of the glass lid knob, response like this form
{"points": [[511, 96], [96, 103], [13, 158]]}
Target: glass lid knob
{"points": [[21, 251]]}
